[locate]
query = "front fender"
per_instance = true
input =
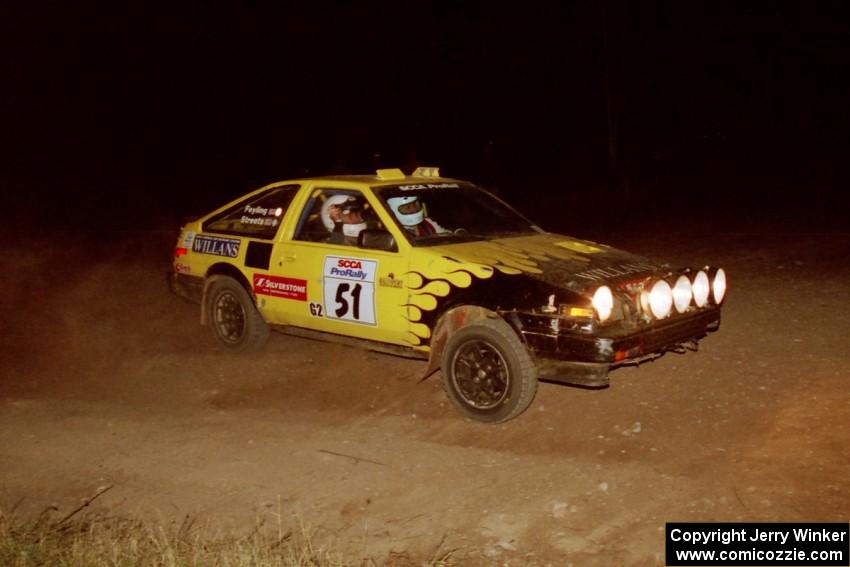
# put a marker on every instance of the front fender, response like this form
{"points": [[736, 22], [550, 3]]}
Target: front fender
{"points": [[452, 320]]}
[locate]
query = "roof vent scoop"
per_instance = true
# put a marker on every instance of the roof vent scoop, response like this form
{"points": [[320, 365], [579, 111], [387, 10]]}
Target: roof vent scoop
{"points": [[390, 174], [427, 172]]}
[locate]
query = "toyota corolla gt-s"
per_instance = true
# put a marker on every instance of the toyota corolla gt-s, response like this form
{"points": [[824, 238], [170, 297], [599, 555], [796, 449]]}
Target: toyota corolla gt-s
{"points": [[438, 269]]}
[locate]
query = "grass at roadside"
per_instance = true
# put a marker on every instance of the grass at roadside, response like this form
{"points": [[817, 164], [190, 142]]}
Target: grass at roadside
{"points": [[94, 539]]}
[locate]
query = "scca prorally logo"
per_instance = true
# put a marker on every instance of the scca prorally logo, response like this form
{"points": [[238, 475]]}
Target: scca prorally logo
{"points": [[349, 268], [276, 286], [227, 247], [418, 186], [352, 269]]}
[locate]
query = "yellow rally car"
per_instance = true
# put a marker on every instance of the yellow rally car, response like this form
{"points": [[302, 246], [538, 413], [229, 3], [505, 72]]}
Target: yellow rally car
{"points": [[437, 269]]}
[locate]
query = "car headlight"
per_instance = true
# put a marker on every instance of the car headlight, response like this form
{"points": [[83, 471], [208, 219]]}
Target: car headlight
{"points": [[660, 299], [718, 286], [701, 289], [603, 302], [682, 294]]}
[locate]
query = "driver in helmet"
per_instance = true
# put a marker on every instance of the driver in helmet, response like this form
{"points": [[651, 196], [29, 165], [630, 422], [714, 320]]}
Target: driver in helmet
{"points": [[342, 215], [409, 212]]}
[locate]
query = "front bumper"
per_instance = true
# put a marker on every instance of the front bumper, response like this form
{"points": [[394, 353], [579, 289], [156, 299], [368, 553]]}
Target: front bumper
{"points": [[613, 347]]}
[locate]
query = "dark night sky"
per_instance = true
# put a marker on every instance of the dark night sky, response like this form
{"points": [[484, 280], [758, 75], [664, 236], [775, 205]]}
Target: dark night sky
{"points": [[150, 111]]}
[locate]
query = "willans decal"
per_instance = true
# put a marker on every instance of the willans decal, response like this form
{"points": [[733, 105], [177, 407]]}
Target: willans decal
{"points": [[216, 246], [615, 271]]}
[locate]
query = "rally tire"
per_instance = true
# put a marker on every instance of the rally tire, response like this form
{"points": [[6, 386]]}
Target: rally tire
{"points": [[232, 316], [487, 371]]}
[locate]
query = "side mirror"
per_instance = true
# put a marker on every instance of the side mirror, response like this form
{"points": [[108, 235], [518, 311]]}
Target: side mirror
{"points": [[376, 239]]}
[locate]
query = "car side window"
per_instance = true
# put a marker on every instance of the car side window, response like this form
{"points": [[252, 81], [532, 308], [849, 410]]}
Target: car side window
{"points": [[335, 216], [310, 226], [258, 216]]}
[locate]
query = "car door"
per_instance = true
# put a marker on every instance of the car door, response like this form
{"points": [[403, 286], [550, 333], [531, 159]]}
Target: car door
{"points": [[332, 285]]}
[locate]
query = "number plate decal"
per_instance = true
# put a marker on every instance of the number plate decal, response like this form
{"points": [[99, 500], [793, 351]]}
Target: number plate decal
{"points": [[349, 289]]}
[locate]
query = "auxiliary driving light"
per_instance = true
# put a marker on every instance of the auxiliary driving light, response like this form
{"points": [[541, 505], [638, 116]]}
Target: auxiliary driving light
{"points": [[660, 299], [682, 294], [701, 289], [603, 302], [718, 286]]}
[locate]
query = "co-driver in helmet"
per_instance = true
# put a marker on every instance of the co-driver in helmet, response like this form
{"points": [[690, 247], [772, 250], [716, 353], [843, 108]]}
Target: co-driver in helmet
{"points": [[342, 215], [409, 212]]}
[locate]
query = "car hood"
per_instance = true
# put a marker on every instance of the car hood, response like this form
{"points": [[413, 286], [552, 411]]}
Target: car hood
{"points": [[557, 260], [518, 273]]}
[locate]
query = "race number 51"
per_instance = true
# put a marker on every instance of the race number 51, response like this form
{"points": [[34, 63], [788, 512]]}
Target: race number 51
{"points": [[349, 289]]}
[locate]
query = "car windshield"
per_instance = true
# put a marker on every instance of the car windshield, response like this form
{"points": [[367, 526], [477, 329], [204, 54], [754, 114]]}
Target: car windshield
{"points": [[441, 213]]}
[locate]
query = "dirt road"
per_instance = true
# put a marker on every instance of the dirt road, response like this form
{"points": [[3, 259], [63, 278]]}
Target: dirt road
{"points": [[107, 379]]}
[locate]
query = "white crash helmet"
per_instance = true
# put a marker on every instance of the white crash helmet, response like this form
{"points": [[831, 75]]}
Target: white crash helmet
{"points": [[407, 209], [348, 229]]}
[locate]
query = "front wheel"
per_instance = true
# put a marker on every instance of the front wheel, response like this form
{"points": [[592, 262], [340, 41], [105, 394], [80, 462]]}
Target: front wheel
{"points": [[234, 320], [487, 372]]}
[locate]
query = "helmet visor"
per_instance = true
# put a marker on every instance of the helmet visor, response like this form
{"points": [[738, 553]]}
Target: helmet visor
{"points": [[410, 208]]}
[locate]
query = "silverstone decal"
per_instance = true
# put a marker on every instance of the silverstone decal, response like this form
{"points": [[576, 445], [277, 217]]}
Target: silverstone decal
{"points": [[276, 286], [188, 239], [217, 246], [349, 289]]}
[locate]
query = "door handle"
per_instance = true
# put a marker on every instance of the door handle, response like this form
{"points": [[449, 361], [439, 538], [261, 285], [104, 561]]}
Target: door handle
{"points": [[287, 258]]}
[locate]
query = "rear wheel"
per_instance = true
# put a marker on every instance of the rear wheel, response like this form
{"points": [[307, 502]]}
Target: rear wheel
{"points": [[233, 318], [487, 372]]}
